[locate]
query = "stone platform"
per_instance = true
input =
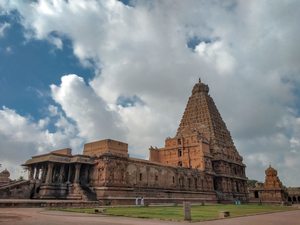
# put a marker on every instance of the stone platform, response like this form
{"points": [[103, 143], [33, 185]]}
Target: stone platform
{"points": [[104, 201], [36, 203]]}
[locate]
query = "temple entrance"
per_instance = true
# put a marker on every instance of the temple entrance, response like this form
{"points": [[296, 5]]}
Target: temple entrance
{"points": [[237, 187], [215, 185]]}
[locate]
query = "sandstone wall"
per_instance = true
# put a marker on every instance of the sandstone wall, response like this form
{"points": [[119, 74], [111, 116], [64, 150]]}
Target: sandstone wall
{"points": [[111, 170], [106, 146]]}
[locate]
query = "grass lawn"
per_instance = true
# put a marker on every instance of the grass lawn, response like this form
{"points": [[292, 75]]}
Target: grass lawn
{"points": [[199, 213]]}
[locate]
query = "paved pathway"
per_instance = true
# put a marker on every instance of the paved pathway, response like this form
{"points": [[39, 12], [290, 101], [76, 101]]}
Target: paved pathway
{"points": [[37, 216]]}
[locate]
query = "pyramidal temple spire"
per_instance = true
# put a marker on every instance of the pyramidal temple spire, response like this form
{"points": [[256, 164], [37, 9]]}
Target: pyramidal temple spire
{"points": [[201, 115]]}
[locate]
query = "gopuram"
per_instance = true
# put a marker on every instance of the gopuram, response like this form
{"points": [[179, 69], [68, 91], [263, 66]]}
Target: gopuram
{"points": [[271, 191], [200, 163], [4, 177]]}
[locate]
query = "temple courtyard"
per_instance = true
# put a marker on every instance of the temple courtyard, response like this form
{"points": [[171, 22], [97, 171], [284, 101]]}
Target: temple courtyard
{"points": [[34, 216]]}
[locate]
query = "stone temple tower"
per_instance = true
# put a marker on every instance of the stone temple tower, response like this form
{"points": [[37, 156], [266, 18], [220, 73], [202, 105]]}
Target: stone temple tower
{"points": [[203, 142]]}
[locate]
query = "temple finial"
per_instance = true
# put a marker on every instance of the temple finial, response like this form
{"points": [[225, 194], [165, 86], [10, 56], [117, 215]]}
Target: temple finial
{"points": [[199, 80]]}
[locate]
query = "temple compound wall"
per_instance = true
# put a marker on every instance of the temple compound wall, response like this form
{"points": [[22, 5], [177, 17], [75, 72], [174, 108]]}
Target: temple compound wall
{"points": [[200, 163]]}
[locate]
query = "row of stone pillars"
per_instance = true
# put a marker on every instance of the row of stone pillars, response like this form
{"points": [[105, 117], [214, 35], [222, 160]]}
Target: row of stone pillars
{"points": [[294, 199], [48, 173]]}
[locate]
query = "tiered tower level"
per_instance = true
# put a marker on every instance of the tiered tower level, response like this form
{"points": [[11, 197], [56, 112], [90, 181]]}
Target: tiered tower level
{"points": [[204, 142]]}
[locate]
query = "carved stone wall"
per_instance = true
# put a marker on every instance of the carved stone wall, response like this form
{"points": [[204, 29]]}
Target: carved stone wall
{"points": [[114, 171]]}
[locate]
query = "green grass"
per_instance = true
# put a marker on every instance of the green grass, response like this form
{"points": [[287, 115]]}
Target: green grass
{"points": [[199, 213]]}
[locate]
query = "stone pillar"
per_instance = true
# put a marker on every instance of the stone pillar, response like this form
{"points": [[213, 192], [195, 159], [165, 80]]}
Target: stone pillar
{"points": [[30, 172], [187, 211], [49, 173], [77, 173], [55, 174], [61, 173], [86, 173], [43, 173], [69, 174], [37, 173]]}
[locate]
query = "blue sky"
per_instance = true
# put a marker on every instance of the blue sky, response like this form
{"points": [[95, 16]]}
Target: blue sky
{"points": [[30, 66], [79, 71]]}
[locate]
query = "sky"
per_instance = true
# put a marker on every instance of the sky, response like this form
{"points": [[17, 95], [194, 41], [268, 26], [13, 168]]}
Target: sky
{"points": [[75, 71]]}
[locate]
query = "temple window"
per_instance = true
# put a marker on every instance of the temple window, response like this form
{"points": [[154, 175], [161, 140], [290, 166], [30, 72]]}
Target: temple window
{"points": [[179, 152], [179, 141], [235, 171], [141, 176], [237, 187], [181, 183], [156, 178]]}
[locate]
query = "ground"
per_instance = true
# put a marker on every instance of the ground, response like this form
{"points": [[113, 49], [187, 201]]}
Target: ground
{"points": [[37, 216], [175, 213]]}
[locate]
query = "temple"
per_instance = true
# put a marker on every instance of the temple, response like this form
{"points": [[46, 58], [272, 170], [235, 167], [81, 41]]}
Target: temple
{"points": [[4, 177], [200, 163], [203, 142], [271, 191]]}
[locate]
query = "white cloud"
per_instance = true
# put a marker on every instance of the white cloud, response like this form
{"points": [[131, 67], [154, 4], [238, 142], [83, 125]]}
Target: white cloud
{"points": [[218, 55], [251, 65], [21, 138], [91, 114], [3, 27], [9, 50]]}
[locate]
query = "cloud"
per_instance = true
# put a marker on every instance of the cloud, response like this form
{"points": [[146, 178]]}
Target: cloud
{"points": [[3, 27], [247, 53], [90, 113], [21, 138], [218, 55]]}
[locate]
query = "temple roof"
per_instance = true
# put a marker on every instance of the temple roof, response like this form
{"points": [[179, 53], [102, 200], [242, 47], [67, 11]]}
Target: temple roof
{"points": [[270, 171], [59, 158], [5, 173]]}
